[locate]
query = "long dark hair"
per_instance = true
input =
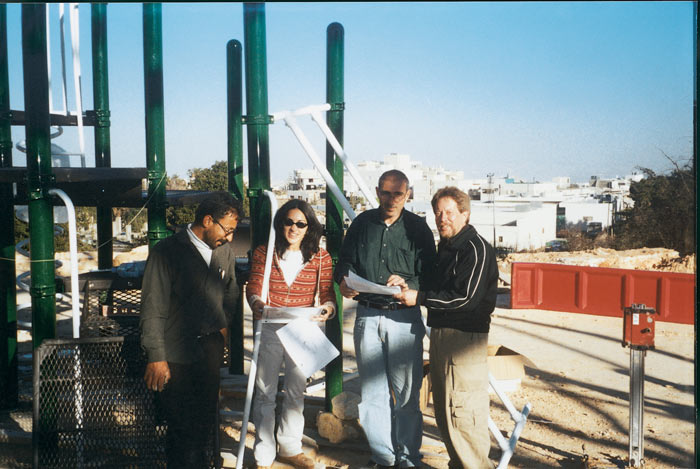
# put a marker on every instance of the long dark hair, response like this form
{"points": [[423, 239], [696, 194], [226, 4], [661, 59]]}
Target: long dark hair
{"points": [[309, 245]]}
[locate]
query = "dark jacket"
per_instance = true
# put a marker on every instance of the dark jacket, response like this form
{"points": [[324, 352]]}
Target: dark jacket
{"points": [[462, 292], [375, 251], [183, 299]]}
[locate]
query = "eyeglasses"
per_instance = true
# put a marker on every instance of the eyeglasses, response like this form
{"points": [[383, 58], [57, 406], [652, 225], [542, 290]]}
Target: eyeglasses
{"points": [[228, 232], [300, 224]]}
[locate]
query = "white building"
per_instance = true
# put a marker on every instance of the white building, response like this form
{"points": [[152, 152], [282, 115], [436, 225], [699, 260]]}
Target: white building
{"points": [[520, 226], [578, 213]]}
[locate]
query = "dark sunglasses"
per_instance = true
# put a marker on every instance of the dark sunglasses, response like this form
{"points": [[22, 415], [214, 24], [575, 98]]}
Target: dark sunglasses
{"points": [[300, 224]]}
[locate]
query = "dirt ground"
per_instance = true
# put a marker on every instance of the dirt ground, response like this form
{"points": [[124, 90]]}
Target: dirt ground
{"points": [[578, 389], [578, 386]]}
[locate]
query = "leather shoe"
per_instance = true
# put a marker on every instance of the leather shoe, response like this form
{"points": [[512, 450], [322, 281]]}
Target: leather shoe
{"points": [[300, 461]]}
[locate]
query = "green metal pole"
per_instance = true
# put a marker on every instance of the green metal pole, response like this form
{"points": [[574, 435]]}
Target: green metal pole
{"points": [[257, 120], [335, 36], [155, 133], [235, 117], [39, 174], [8, 296], [234, 78], [103, 155]]}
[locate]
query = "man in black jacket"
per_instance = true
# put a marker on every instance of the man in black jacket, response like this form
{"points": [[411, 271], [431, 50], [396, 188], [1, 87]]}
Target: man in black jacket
{"points": [[187, 301], [460, 298]]}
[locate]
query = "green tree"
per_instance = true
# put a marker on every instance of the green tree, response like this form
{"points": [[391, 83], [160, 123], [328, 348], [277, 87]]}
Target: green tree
{"points": [[663, 214], [214, 178]]}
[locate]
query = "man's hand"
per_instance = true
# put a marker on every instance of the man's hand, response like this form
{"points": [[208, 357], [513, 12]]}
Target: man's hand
{"points": [[157, 375], [396, 280], [407, 296], [257, 309], [346, 291], [224, 332]]}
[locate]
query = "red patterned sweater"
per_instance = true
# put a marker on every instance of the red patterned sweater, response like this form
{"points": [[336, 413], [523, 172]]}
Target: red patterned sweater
{"points": [[302, 291]]}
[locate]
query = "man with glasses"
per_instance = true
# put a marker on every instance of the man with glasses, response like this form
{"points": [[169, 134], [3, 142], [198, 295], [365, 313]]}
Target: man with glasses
{"points": [[389, 246], [188, 298]]}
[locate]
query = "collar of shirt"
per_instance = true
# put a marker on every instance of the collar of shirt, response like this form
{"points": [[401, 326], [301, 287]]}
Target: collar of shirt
{"points": [[378, 218], [202, 247]]}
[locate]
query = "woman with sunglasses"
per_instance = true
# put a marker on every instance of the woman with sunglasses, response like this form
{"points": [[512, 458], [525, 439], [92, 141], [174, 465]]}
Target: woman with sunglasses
{"points": [[301, 276]]}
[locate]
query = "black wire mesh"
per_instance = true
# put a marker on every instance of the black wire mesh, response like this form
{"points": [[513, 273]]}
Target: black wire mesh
{"points": [[92, 408]]}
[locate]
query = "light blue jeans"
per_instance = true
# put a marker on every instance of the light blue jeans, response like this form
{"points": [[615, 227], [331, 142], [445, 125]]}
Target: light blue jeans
{"points": [[389, 352]]}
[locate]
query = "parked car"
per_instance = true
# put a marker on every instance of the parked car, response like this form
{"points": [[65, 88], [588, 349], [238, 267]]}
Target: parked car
{"points": [[593, 229], [556, 245]]}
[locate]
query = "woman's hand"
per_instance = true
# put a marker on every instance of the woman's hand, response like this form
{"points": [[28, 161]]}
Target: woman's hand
{"points": [[257, 309], [326, 314]]}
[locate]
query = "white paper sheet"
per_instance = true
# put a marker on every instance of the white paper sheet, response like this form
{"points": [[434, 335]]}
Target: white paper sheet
{"points": [[362, 285], [270, 312], [307, 345]]}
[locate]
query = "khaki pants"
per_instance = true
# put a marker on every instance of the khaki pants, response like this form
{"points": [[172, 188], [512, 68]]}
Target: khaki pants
{"points": [[459, 375]]}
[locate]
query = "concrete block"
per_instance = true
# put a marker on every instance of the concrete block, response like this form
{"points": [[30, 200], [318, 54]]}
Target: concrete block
{"points": [[336, 430], [345, 405]]}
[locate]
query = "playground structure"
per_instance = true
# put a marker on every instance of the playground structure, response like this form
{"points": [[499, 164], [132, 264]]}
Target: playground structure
{"points": [[106, 187]]}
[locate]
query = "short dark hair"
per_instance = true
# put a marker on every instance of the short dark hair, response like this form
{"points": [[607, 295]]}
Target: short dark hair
{"points": [[393, 174], [460, 197], [310, 243], [218, 205]]}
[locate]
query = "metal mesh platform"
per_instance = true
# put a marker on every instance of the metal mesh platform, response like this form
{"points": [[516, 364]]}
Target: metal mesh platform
{"points": [[92, 408]]}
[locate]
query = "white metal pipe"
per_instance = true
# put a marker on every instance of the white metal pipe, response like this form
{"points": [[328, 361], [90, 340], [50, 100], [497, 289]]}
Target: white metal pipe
{"points": [[61, 22], [257, 333], [506, 402], [281, 115], [338, 148], [73, 246], [502, 443], [330, 182], [75, 43], [48, 55]]}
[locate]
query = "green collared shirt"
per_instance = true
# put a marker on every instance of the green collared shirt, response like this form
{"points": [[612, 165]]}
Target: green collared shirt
{"points": [[375, 251]]}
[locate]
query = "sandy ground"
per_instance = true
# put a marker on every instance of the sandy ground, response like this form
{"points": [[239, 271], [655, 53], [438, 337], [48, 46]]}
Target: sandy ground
{"points": [[578, 388]]}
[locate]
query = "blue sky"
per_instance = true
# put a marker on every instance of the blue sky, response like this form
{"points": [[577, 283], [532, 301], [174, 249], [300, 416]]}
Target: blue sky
{"points": [[530, 90]]}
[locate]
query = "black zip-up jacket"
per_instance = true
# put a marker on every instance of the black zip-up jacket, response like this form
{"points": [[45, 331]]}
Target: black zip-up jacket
{"points": [[462, 292], [183, 299]]}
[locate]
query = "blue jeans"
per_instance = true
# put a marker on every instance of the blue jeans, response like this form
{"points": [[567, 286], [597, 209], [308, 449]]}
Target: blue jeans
{"points": [[389, 352]]}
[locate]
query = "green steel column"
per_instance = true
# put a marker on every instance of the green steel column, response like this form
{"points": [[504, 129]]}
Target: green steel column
{"points": [[257, 120], [234, 76], [39, 174], [334, 213], [235, 117], [103, 155], [155, 133], [8, 297]]}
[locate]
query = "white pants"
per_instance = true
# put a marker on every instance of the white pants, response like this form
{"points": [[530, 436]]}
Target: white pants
{"points": [[291, 424]]}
